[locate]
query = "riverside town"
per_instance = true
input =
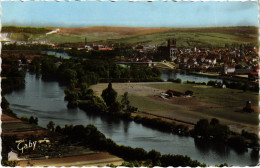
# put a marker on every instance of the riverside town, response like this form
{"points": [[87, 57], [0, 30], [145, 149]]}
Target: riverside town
{"points": [[85, 87]]}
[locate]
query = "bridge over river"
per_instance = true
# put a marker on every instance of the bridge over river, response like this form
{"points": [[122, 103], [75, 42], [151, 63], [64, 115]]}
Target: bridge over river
{"points": [[162, 65]]}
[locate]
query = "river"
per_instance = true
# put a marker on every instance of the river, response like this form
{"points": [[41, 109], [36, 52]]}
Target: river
{"points": [[57, 54], [45, 100], [168, 74]]}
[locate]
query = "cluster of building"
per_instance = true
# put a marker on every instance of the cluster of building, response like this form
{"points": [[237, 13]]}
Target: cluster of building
{"points": [[42, 42], [239, 60], [6, 40], [95, 47]]}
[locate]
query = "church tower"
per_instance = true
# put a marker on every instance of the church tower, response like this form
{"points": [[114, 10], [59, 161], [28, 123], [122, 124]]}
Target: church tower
{"points": [[172, 49]]}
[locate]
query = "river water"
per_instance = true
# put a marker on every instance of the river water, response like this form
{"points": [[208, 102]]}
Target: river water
{"points": [[168, 74], [45, 100], [57, 54]]}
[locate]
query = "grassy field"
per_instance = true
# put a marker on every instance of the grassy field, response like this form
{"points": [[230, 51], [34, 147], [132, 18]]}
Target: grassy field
{"points": [[225, 97], [231, 101], [204, 37], [208, 102]]}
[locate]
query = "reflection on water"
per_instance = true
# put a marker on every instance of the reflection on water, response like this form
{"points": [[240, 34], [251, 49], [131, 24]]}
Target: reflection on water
{"points": [[45, 100], [205, 147]]}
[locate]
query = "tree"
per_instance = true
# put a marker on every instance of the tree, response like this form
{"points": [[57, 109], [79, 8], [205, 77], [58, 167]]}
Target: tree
{"points": [[58, 129], [125, 102], [50, 126], [70, 74], [201, 128], [48, 68], [24, 118], [33, 120], [115, 107], [109, 95], [4, 103], [178, 160], [214, 121], [71, 95], [155, 157]]}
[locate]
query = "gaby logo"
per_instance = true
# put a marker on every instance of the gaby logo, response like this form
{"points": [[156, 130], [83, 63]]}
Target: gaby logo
{"points": [[22, 145]]}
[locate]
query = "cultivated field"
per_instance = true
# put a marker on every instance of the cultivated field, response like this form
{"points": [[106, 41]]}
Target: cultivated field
{"points": [[208, 102], [93, 159], [13, 126], [205, 37]]}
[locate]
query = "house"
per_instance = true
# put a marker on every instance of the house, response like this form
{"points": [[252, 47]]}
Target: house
{"points": [[184, 59], [81, 48], [106, 48], [88, 47], [210, 59], [172, 93], [13, 155], [202, 58], [229, 69], [191, 63], [204, 66]]}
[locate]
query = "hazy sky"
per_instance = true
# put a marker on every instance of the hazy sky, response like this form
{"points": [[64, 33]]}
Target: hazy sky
{"points": [[137, 14]]}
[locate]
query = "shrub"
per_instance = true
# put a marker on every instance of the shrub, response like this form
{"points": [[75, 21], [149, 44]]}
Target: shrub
{"points": [[24, 118], [178, 80]]}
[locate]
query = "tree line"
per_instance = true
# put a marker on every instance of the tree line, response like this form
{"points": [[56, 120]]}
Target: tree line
{"points": [[21, 29], [216, 132], [12, 76]]}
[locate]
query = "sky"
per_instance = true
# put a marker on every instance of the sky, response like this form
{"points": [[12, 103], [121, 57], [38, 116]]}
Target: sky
{"points": [[129, 14]]}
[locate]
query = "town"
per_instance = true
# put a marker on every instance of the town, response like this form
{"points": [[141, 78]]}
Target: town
{"points": [[238, 63]]}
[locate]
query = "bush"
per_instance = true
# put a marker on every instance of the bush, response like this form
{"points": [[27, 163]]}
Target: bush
{"points": [[211, 83], [212, 130], [178, 80], [95, 104], [178, 160], [190, 82], [33, 120], [24, 118]]}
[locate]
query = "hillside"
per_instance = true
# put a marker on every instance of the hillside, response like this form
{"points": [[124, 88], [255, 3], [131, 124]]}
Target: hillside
{"points": [[213, 36]]}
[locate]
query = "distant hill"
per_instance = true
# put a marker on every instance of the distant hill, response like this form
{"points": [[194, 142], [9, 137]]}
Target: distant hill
{"points": [[213, 36], [118, 30]]}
